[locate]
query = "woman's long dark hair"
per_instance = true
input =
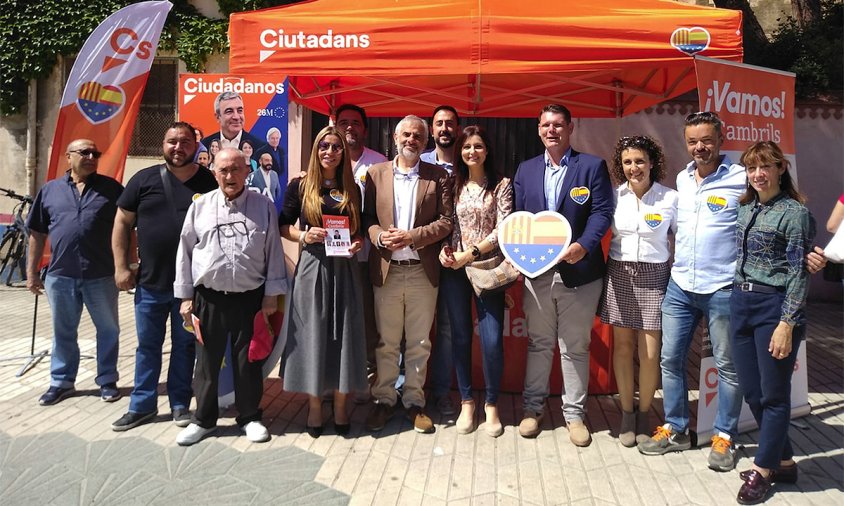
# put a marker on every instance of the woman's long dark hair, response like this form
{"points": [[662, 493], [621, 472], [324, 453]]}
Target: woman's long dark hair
{"points": [[768, 153], [461, 170]]}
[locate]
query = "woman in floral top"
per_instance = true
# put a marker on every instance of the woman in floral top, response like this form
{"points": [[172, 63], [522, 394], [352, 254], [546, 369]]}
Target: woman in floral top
{"points": [[767, 323], [482, 198]]}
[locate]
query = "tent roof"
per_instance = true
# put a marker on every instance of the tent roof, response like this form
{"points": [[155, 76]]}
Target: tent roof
{"points": [[602, 58]]}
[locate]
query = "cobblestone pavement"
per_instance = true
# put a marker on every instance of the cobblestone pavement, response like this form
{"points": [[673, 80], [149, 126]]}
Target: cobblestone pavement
{"points": [[68, 454]]}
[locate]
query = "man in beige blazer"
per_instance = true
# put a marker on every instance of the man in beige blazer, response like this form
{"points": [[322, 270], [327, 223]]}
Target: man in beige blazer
{"points": [[407, 212]]}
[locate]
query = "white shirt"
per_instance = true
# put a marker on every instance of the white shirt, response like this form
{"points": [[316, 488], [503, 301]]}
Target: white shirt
{"points": [[640, 227], [367, 159], [404, 206], [230, 246], [234, 143]]}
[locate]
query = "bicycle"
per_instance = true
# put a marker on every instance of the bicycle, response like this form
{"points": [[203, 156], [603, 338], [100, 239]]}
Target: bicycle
{"points": [[15, 238]]}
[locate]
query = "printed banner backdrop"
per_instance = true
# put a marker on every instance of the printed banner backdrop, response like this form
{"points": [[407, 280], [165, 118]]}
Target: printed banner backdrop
{"points": [[105, 87], [755, 103], [264, 110]]}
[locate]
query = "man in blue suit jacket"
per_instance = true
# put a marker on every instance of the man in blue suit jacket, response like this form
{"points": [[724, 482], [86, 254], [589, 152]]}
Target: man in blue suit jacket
{"points": [[560, 304]]}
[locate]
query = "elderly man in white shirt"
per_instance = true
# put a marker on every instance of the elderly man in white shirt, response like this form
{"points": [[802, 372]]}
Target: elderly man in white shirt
{"points": [[229, 267]]}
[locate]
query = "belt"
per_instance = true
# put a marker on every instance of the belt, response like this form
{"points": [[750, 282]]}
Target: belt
{"points": [[405, 262], [756, 287]]}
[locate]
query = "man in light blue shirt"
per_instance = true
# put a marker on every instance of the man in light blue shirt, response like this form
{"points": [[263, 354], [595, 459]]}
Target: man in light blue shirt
{"points": [[445, 127], [700, 286]]}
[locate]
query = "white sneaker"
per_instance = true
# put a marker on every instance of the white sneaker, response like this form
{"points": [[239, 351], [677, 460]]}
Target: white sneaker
{"points": [[192, 434], [256, 432]]}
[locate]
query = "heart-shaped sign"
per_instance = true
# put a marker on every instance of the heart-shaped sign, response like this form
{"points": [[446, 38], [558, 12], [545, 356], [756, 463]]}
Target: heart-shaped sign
{"points": [[99, 102], [690, 40], [533, 243]]}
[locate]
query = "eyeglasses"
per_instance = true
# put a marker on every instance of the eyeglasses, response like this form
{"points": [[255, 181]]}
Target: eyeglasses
{"points": [[326, 146], [232, 229], [85, 153]]}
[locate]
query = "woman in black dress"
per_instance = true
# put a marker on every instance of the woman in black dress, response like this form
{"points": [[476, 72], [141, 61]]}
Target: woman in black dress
{"points": [[325, 342]]}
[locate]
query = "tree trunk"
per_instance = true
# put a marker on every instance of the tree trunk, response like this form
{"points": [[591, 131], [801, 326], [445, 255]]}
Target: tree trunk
{"points": [[806, 12], [755, 39]]}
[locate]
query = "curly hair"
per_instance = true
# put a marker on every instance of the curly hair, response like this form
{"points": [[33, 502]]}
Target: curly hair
{"points": [[643, 143]]}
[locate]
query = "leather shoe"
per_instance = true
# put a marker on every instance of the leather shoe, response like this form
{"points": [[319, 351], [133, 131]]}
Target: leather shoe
{"points": [[342, 429], [379, 416], [579, 433], [421, 422], [529, 427], [314, 432], [786, 474], [755, 489]]}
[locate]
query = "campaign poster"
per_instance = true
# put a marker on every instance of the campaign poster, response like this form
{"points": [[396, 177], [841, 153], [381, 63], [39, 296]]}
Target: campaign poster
{"points": [[259, 128], [755, 104]]}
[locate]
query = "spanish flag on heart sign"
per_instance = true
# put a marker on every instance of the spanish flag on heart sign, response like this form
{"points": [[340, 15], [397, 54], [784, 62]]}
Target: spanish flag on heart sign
{"points": [[104, 90]]}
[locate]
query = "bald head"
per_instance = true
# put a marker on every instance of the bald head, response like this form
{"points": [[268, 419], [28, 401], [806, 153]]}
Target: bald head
{"points": [[82, 158], [230, 171]]}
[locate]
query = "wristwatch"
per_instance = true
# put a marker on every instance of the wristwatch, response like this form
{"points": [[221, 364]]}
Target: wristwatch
{"points": [[476, 252]]}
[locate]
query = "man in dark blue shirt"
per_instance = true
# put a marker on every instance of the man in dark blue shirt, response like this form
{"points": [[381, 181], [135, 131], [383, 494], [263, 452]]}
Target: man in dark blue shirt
{"points": [[77, 212]]}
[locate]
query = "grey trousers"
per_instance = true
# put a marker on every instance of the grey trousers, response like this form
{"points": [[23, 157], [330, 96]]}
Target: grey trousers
{"points": [[556, 313]]}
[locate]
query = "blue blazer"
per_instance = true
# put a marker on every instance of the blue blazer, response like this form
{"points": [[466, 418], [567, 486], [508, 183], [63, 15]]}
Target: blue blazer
{"points": [[589, 221]]}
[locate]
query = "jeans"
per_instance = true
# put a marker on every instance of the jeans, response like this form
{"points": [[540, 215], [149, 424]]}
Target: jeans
{"points": [[441, 354], [152, 308], [458, 294], [681, 313], [66, 297], [764, 380]]}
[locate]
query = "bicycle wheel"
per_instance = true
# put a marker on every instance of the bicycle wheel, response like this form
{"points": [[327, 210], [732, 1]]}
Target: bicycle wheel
{"points": [[8, 250]]}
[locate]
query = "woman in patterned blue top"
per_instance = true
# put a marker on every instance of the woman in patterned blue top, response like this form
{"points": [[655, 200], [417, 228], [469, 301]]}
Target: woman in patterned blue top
{"points": [[774, 233]]}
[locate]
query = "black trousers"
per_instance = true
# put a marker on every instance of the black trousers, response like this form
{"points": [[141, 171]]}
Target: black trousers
{"points": [[222, 315]]}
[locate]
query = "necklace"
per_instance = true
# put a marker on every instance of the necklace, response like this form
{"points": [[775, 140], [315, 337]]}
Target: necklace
{"points": [[329, 183]]}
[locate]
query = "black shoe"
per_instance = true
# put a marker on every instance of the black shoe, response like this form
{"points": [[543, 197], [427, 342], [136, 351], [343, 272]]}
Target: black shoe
{"points": [[181, 417], [342, 429], [109, 392], [131, 420], [54, 395], [315, 432]]}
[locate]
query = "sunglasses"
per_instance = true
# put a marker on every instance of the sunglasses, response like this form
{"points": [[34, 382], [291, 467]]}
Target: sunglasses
{"points": [[85, 153], [326, 146]]}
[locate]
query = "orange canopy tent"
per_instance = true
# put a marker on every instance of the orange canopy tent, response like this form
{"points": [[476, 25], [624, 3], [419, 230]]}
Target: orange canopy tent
{"points": [[604, 58]]}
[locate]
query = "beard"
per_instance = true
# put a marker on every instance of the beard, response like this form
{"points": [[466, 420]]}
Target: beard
{"points": [[445, 143], [187, 161], [408, 152]]}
